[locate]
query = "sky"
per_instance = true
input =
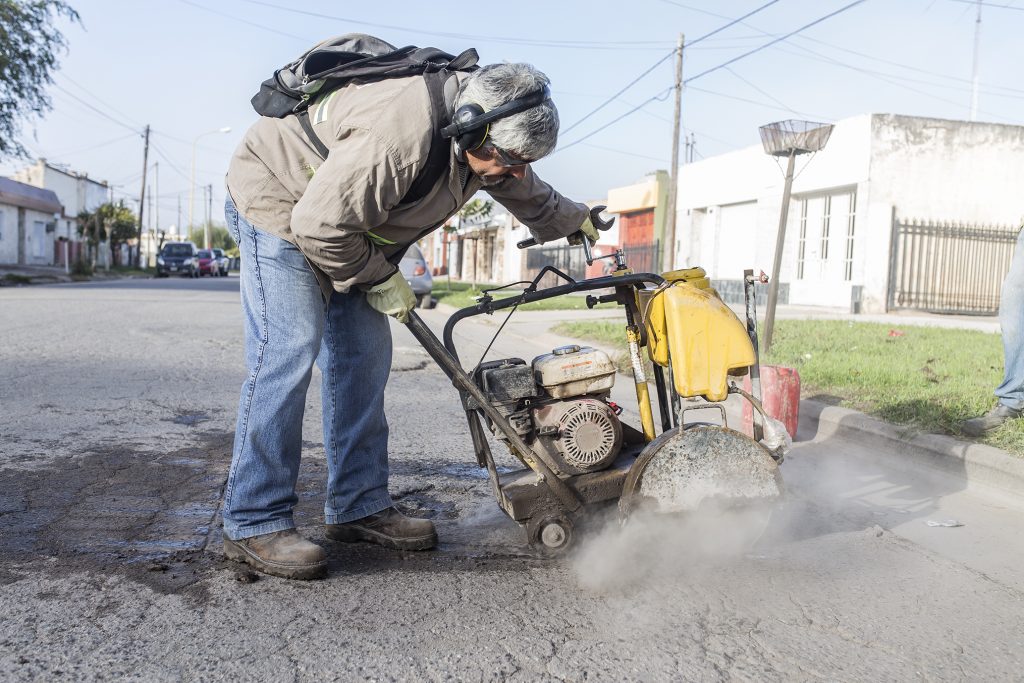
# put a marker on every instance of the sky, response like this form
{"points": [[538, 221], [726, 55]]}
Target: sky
{"points": [[188, 68]]}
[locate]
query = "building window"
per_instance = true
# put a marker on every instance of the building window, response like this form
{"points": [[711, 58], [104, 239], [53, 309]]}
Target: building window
{"points": [[825, 222], [851, 216], [802, 244]]}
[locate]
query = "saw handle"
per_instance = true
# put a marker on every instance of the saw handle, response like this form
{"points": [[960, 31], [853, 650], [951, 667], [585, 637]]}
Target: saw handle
{"points": [[530, 242]]}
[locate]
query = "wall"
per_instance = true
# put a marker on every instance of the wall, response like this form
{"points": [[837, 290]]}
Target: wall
{"points": [[76, 192], [8, 234], [941, 170]]}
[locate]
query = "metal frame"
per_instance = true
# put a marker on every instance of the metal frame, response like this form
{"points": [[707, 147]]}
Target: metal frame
{"points": [[571, 493]]}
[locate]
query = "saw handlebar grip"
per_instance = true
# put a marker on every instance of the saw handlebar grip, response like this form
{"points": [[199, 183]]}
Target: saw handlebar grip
{"points": [[529, 242]]}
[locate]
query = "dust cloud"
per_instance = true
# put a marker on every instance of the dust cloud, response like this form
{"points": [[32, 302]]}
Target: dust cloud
{"points": [[650, 546]]}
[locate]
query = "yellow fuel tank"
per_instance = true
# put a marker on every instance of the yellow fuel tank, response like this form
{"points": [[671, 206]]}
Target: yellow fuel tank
{"points": [[688, 323]]}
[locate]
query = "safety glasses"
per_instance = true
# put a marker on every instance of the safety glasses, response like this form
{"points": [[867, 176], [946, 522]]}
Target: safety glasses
{"points": [[506, 159]]}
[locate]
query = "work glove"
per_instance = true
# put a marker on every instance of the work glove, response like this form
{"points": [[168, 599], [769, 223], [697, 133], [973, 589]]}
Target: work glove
{"points": [[392, 297], [591, 224]]}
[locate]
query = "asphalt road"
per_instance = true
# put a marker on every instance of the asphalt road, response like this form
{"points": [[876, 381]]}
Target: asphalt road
{"points": [[118, 403]]}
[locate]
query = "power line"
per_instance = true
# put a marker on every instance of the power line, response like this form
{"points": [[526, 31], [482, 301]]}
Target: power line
{"points": [[989, 4], [766, 94], [731, 23], [820, 117], [98, 111], [611, 99], [92, 147], [246, 21], [571, 44], [660, 96], [773, 42], [622, 151], [93, 95], [174, 166], [624, 89]]}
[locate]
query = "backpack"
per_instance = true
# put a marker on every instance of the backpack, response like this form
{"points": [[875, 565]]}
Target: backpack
{"points": [[363, 58]]}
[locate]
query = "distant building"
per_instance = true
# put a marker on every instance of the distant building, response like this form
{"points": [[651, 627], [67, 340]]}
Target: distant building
{"points": [[28, 223], [895, 212], [77, 192], [640, 226]]}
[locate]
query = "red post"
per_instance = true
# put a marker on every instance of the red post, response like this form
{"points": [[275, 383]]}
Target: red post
{"points": [[780, 397]]}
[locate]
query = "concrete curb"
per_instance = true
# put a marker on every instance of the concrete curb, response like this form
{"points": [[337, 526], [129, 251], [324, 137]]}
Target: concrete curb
{"points": [[973, 462]]}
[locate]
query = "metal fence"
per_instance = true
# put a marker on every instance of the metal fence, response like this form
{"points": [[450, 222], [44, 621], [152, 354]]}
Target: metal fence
{"points": [[568, 259], [947, 267], [643, 258]]}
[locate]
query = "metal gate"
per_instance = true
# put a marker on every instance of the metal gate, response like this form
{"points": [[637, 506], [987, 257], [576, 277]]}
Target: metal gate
{"points": [[947, 267], [568, 259]]}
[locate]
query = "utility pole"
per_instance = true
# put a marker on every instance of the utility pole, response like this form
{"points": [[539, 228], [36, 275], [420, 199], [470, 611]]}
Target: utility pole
{"points": [[156, 176], [142, 192], [974, 74], [668, 257], [179, 215], [209, 214]]}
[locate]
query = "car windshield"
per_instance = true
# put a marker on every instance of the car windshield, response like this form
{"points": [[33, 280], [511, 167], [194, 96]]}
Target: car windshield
{"points": [[205, 254], [177, 250]]}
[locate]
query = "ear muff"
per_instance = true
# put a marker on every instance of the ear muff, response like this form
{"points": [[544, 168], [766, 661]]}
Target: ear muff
{"points": [[471, 124], [474, 136]]}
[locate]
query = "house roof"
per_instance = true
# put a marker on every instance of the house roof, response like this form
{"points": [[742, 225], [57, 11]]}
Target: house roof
{"points": [[25, 196]]}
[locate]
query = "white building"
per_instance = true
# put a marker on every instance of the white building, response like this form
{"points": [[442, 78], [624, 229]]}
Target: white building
{"points": [[77, 192], [892, 212], [28, 217]]}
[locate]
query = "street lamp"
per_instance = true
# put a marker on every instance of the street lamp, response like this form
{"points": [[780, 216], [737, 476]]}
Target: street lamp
{"points": [[787, 139], [192, 184]]}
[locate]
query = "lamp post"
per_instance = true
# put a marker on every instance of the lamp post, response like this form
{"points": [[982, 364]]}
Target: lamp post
{"points": [[192, 183], [787, 139]]}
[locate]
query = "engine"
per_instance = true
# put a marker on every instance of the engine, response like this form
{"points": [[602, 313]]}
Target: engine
{"points": [[559, 405]]}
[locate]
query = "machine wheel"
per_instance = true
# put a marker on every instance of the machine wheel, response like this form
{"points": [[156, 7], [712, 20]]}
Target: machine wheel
{"points": [[551, 535], [425, 301]]}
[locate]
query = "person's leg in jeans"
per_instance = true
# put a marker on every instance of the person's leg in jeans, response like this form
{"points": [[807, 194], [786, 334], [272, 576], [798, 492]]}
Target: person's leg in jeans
{"points": [[1011, 319], [284, 317], [355, 361]]}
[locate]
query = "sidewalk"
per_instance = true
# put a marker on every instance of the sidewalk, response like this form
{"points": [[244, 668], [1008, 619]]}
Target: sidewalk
{"points": [[20, 274], [896, 319]]}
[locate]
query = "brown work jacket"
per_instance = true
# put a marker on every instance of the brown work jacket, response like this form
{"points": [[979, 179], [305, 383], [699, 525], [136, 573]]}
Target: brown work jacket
{"points": [[344, 213]]}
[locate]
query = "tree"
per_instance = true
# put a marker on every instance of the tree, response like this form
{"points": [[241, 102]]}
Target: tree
{"points": [[111, 223], [220, 238], [29, 46], [474, 208]]}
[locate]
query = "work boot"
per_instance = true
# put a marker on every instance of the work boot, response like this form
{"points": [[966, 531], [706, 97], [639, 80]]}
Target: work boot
{"points": [[994, 418], [389, 528], [281, 553]]}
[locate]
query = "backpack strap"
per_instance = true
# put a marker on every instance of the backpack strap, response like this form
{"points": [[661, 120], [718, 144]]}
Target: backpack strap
{"points": [[440, 148], [321, 148]]}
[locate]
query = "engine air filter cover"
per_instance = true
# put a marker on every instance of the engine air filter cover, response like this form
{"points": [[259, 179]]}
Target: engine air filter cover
{"points": [[589, 435]]}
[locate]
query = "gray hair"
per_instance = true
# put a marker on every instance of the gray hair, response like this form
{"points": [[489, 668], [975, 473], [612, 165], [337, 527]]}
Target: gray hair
{"points": [[530, 134]]}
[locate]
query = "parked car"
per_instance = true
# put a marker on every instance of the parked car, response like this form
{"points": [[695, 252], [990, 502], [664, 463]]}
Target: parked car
{"points": [[223, 262], [414, 268], [180, 258], [207, 263]]}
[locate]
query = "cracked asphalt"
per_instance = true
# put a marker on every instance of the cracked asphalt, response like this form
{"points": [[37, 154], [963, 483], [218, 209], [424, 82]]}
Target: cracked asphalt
{"points": [[118, 403]]}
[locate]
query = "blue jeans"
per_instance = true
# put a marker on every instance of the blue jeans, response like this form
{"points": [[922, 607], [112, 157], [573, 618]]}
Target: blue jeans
{"points": [[288, 328], [1011, 319]]}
